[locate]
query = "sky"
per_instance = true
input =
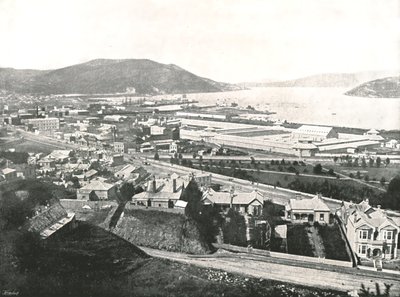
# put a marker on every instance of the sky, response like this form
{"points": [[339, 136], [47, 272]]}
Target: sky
{"points": [[225, 40]]}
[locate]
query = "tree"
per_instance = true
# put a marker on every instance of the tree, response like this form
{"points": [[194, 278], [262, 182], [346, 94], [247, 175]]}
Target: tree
{"points": [[358, 174], [192, 195], [283, 162], [317, 169], [180, 156], [378, 162], [331, 172], [387, 161], [156, 156], [335, 159], [371, 162], [363, 163], [366, 178], [383, 181], [127, 190], [392, 197]]}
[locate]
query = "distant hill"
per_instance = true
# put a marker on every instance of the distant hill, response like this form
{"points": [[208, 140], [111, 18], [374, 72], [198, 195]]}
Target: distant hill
{"points": [[104, 76], [388, 87], [326, 80]]}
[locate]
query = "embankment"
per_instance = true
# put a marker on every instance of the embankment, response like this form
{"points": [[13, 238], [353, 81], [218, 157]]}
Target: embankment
{"points": [[161, 230]]}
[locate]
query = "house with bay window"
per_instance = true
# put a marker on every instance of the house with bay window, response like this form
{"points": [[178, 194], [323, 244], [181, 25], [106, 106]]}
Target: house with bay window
{"points": [[370, 231]]}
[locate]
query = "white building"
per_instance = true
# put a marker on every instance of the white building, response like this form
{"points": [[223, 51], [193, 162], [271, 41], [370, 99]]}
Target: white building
{"points": [[44, 124], [314, 133]]}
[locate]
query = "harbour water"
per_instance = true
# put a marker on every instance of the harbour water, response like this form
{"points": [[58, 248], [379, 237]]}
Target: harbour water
{"points": [[323, 106]]}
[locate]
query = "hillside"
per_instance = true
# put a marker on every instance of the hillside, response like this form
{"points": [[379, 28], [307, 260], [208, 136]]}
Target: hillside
{"points": [[161, 230], [388, 87], [326, 80], [104, 76]]}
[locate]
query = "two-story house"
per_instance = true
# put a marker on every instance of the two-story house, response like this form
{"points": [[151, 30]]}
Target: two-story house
{"points": [[97, 190], [370, 231]]}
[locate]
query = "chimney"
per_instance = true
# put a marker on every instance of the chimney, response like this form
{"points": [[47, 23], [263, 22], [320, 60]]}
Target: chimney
{"points": [[154, 185], [367, 200], [378, 206], [231, 196], [355, 217], [174, 185]]}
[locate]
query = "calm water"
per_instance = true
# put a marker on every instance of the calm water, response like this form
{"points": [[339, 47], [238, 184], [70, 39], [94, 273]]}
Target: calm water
{"points": [[327, 106]]}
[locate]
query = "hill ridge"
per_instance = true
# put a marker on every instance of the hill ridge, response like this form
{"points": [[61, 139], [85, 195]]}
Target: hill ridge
{"points": [[105, 76]]}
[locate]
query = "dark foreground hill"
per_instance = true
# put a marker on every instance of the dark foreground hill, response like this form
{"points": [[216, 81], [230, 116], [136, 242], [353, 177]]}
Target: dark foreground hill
{"points": [[388, 87], [105, 76], [90, 261]]}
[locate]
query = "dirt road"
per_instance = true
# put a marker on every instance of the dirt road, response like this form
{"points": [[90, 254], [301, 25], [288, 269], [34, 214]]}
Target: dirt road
{"points": [[254, 267]]}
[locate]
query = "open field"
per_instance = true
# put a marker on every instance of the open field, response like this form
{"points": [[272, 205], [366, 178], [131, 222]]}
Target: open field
{"points": [[35, 147], [373, 173]]}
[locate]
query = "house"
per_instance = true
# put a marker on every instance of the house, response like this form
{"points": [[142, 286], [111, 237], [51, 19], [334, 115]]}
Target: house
{"points": [[9, 174], [97, 190], [156, 130], [119, 147], [161, 193], [90, 174], [61, 156], [244, 202], [373, 135], [314, 133], [370, 231], [117, 160], [393, 143], [51, 220], [47, 164], [173, 147], [307, 210], [132, 174], [305, 149]]}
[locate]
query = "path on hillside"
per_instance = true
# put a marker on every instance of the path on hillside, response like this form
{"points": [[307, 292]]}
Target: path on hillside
{"points": [[344, 279], [316, 241]]}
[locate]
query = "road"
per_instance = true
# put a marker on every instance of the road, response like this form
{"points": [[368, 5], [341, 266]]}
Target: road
{"points": [[48, 141], [343, 279]]}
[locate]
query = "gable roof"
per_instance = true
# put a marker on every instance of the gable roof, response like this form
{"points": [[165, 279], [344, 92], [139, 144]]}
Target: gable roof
{"points": [[239, 198], [50, 220], [313, 204], [313, 130], [8, 170], [97, 185]]}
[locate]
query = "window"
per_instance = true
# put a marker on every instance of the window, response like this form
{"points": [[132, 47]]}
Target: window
{"points": [[363, 234], [387, 235], [321, 217], [388, 250], [362, 249]]}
